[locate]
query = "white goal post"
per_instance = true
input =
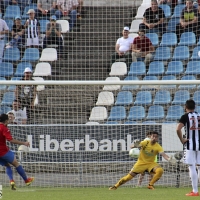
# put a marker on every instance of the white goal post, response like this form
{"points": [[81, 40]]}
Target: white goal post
{"points": [[64, 154]]}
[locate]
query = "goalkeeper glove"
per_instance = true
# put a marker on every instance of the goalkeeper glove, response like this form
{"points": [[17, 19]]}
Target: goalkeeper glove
{"points": [[136, 143], [172, 160]]}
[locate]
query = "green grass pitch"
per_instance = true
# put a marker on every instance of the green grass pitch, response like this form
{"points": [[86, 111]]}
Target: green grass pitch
{"points": [[125, 193]]}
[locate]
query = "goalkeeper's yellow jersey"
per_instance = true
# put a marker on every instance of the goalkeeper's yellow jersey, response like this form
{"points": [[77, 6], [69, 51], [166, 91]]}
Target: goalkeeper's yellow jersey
{"points": [[148, 152]]}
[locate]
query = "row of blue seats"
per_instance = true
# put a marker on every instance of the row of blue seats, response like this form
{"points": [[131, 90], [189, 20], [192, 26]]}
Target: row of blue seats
{"points": [[12, 11], [7, 69], [138, 113], [170, 39], [158, 68], [162, 97], [166, 87], [180, 53], [13, 55]]}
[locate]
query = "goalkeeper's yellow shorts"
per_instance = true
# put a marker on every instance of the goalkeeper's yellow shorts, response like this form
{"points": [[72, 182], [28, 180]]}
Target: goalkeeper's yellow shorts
{"points": [[140, 168]]}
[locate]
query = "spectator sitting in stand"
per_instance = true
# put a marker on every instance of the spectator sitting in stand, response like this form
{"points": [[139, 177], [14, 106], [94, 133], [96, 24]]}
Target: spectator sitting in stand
{"points": [[153, 18], [188, 19], [123, 47], [45, 8], [32, 27], [26, 94], [67, 8], [19, 114], [142, 48], [18, 34], [3, 31], [11, 118], [53, 35], [80, 9]]}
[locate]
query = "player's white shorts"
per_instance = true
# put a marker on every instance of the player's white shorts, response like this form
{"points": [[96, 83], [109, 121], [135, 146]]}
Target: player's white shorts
{"points": [[192, 157], [32, 41]]}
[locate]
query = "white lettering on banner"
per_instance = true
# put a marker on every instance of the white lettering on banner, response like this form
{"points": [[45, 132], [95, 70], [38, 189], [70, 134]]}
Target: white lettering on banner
{"points": [[48, 144]]}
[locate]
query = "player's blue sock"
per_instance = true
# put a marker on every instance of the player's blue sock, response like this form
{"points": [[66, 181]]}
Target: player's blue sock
{"points": [[9, 172], [21, 172]]}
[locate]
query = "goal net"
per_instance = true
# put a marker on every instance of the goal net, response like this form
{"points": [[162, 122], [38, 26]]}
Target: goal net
{"points": [[71, 146]]}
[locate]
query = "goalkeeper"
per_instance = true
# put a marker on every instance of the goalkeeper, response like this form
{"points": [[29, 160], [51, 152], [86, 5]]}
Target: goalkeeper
{"points": [[149, 149]]}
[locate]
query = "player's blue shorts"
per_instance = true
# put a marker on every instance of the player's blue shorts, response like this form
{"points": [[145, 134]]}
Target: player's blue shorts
{"points": [[7, 158]]}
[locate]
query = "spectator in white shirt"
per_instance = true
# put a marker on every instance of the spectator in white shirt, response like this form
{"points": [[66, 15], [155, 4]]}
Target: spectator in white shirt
{"points": [[20, 115], [123, 47], [67, 8]]}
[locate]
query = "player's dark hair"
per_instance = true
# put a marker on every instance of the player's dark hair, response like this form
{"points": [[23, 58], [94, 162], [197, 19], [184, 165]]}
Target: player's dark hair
{"points": [[151, 132], [190, 104], [3, 117]]}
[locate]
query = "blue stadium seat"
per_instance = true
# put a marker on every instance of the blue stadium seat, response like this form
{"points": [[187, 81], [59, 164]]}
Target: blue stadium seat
{"points": [[10, 23], [171, 26], [143, 98], [2, 87], [197, 109], [167, 10], [196, 97], [180, 97], [149, 87], [43, 25], [137, 68], [195, 55], [130, 122], [117, 113], [31, 55], [177, 10], [124, 98], [162, 97], [169, 122], [8, 98], [162, 54], [136, 113], [21, 67], [193, 68], [156, 68], [187, 39], [11, 55], [6, 69], [168, 87], [187, 87], [31, 6], [12, 88], [174, 112], [181, 53], [155, 112], [131, 87], [5, 109], [12, 11], [169, 39], [153, 37], [174, 68]]}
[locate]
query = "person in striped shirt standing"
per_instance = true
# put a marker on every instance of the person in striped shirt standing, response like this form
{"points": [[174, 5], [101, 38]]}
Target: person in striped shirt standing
{"points": [[191, 122]]}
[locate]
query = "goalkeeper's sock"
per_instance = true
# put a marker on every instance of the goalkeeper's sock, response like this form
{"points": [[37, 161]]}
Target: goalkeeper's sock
{"points": [[123, 180], [21, 172], [9, 172], [157, 175], [198, 169], [194, 178]]}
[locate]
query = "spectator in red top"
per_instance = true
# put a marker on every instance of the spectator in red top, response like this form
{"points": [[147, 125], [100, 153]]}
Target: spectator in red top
{"points": [[7, 157], [142, 48]]}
